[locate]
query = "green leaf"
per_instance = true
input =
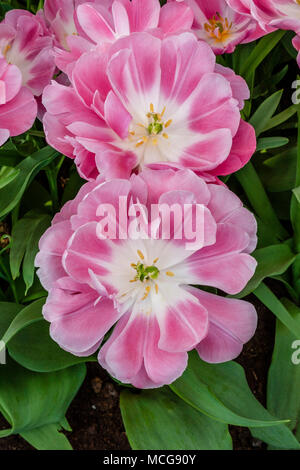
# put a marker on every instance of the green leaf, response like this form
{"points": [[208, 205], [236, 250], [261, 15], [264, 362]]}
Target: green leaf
{"points": [[7, 175], [266, 143], [25, 317], [266, 296], [281, 118], [278, 173], [221, 392], [30, 401], [8, 311], [259, 200], [159, 420], [33, 225], [265, 111], [260, 52], [47, 436], [33, 348], [11, 194], [283, 396], [272, 261]]}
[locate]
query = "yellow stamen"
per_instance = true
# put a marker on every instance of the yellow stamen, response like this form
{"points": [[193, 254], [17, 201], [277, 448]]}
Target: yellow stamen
{"points": [[163, 111], [148, 289], [155, 261], [140, 254], [6, 49], [151, 108], [133, 280], [154, 141], [139, 143], [156, 288], [165, 135], [132, 133], [169, 273], [168, 123], [133, 265]]}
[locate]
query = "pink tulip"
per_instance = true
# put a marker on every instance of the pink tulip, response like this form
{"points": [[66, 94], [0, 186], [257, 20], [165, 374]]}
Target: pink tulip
{"points": [[281, 14], [99, 24], [17, 105], [26, 43], [150, 100], [142, 286], [220, 26]]}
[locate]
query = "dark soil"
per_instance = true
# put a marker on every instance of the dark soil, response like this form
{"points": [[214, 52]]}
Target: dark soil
{"points": [[95, 416]]}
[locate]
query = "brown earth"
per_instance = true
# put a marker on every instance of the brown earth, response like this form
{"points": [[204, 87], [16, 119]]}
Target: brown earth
{"points": [[95, 416]]}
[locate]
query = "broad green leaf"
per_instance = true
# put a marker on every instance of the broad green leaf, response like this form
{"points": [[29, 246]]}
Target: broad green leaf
{"points": [[7, 175], [279, 173], [25, 317], [25, 248], [42, 436], [283, 397], [272, 261], [8, 312], [266, 296], [265, 111], [284, 373], [159, 420], [33, 348], [266, 143], [11, 194], [260, 52], [221, 392], [259, 200], [281, 118], [29, 400]]}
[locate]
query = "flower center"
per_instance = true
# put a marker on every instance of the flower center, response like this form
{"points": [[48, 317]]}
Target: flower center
{"points": [[218, 28], [150, 131]]}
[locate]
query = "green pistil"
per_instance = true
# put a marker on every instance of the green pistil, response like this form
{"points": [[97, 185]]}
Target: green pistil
{"points": [[156, 126], [146, 273]]}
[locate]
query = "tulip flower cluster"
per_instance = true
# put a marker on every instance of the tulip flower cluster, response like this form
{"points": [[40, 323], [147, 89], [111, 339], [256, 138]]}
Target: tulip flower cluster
{"points": [[134, 94]]}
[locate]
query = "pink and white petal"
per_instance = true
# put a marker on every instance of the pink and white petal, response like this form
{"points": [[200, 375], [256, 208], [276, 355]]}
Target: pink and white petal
{"points": [[134, 71], [143, 15], [18, 115], [89, 76], [11, 78], [96, 22], [240, 89], [162, 367], [81, 329], [122, 354], [222, 265], [183, 322], [79, 257], [209, 151], [232, 323], [115, 163], [56, 134], [179, 54], [175, 17], [116, 115], [49, 259], [243, 147]]}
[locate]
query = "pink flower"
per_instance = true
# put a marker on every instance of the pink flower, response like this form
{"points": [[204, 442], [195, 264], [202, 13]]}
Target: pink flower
{"points": [[25, 42], [101, 24], [141, 286], [150, 100], [17, 105], [222, 27], [296, 44], [281, 14]]}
